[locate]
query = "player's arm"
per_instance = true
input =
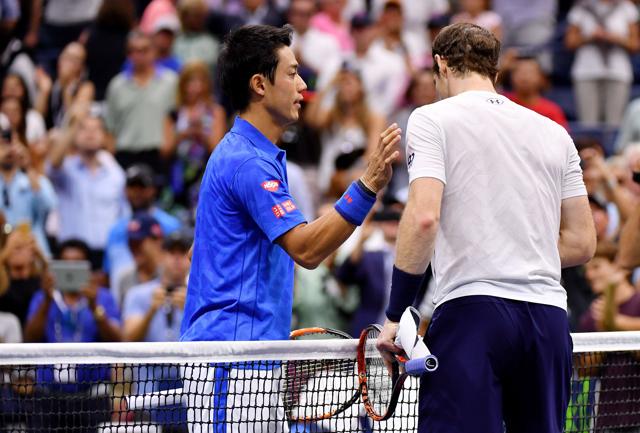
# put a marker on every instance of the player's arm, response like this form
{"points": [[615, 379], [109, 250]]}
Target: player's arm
{"points": [[414, 248], [577, 240], [309, 244]]}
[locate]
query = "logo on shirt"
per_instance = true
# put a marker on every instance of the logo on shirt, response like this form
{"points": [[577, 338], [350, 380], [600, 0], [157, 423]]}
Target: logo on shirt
{"points": [[271, 185], [289, 206], [278, 211], [495, 101], [410, 159]]}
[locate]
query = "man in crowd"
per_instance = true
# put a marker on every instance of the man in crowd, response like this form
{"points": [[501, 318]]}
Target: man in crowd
{"points": [[137, 102], [89, 183]]}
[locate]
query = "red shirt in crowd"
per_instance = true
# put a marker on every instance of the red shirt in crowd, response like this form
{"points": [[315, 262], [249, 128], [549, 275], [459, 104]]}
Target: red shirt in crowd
{"points": [[544, 107]]}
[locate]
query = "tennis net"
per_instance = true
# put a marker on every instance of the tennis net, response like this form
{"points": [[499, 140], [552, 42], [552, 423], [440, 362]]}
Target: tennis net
{"points": [[270, 386]]}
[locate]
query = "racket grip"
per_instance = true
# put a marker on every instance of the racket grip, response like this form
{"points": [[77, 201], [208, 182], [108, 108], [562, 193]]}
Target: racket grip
{"points": [[419, 366]]}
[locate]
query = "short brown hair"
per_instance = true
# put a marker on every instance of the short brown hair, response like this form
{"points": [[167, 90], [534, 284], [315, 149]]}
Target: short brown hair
{"points": [[467, 48]]}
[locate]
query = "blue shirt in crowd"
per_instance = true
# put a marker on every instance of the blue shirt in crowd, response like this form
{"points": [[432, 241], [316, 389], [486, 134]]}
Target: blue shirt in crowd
{"points": [[241, 282], [117, 255], [73, 324], [22, 204]]}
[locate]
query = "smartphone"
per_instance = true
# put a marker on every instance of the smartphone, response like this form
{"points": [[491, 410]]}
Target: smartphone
{"points": [[70, 275]]}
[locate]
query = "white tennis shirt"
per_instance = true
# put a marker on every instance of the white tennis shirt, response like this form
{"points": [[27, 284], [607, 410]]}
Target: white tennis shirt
{"points": [[506, 170]]}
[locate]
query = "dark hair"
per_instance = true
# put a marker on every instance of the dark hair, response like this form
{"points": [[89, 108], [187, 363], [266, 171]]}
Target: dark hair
{"points": [[467, 48], [75, 244], [247, 51], [116, 15]]}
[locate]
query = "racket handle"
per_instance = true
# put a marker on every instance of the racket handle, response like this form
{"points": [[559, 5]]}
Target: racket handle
{"points": [[419, 366]]}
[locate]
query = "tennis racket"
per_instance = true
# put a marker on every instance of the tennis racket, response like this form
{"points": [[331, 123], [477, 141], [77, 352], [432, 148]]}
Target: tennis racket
{"points": [[381, 390], [319, 389]]}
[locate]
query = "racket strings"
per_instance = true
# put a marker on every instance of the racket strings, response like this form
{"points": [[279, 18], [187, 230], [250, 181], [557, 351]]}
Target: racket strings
{"points": [[379, 382], [315, 389]]}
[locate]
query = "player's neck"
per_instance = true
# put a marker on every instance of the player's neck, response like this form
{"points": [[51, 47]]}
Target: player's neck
{"points": [[470, 82], [264, 123]]}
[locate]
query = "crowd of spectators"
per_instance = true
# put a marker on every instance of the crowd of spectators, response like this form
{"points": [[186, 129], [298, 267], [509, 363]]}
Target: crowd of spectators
{"points": [[109, 111]]}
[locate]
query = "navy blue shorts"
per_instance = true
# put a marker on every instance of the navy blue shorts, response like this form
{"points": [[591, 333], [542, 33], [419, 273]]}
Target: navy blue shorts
{"points": [[500, 361]]}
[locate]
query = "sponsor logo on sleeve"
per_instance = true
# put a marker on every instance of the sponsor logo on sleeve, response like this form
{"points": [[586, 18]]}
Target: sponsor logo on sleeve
{"points": [[278, 211], [271, 185], [289, 206]]}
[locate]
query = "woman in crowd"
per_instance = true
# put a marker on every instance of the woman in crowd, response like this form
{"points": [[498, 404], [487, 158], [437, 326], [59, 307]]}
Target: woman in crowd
{"points": [[347, 124], [603, 33], [22, 266], [191, 133], [71, 87], [34, 127]]}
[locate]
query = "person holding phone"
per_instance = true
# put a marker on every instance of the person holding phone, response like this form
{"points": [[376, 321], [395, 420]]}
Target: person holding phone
{"points": [[78, 313]]}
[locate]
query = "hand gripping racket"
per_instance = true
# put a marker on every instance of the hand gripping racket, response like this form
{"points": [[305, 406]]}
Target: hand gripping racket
{"points": [[381, 389], [319, 389]]}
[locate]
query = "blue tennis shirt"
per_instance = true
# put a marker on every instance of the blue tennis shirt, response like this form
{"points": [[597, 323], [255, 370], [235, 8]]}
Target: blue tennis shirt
{"points": [[241, 282]]}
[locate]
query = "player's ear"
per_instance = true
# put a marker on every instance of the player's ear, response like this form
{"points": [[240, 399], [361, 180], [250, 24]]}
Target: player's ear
{"points": [[442, 65], [257, 83]]}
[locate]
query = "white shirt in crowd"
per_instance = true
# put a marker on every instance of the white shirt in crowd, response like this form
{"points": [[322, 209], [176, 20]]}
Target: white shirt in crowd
{"points": [[590, 63], [66, 12], [318, 50], [506, 170]]}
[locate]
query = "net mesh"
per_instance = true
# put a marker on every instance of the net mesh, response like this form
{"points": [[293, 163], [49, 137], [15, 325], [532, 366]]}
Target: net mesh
{"points": [[266, 387]]}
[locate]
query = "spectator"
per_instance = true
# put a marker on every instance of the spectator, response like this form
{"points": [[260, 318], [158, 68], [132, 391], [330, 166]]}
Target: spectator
{"points": [[141, 195], [136, 104], [616, 308], [27, 197], [144, 238], [90, 315], [191, 134], [106, 43], [89, 182], [347, 125], [87, 316], [371, 270], [34, 127], [194, 43], [164, 35], [22, 265], [603, 33], [477, 12], [153, 312], [417, 15], [528, 81], [629, 253], [384, 73], [395, 38], [527, 27], [315, 50], [330, 20], [70, 88], [155, 11], [61, 22]]}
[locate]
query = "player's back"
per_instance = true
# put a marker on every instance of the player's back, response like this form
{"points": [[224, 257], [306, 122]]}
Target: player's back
{"points": [[505, 170]]}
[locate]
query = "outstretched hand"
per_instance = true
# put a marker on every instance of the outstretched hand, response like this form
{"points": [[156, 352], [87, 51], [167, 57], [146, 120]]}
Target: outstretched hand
{"points": [[378, 173]]}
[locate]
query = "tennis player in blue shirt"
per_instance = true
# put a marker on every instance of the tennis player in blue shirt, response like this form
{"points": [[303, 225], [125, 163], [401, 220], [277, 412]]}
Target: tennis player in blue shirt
{"points": [[249, 230]]}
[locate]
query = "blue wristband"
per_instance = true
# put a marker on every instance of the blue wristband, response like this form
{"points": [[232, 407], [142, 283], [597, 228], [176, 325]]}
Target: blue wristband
{"points": [[404, 287], [355, 204]]}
